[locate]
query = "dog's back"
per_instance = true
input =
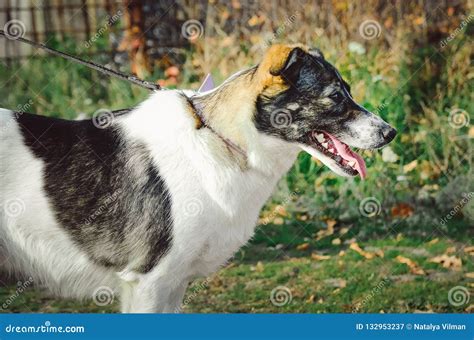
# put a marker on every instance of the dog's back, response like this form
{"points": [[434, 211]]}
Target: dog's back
{"points": [[70, 188], [33, 241]]}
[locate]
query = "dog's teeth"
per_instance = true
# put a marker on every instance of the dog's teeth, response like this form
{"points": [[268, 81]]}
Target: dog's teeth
{"points": [[325, 145], [320, 137], [351, 164], [331, 150]]}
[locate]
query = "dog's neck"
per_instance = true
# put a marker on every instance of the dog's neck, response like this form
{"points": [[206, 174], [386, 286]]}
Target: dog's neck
{"points": [[229, 111], [229, 108]]}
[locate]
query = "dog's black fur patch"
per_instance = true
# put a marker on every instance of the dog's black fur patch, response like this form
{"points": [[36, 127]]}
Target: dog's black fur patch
{"points": [[104, 190]]}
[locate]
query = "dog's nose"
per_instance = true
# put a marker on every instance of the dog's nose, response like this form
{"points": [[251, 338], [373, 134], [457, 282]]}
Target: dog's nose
{"points": [[389, 133]]}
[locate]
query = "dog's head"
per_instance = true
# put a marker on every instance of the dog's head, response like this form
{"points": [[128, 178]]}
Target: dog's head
{"points": [[304, 100]]}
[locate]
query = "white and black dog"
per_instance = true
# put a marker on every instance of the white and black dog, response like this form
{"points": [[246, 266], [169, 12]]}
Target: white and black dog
{"points": [[172, 188]]}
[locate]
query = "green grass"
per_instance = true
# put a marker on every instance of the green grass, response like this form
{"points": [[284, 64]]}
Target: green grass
{"points": [[346, 282]]}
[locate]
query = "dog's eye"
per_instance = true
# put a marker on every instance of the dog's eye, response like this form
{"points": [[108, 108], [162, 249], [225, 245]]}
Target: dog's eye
{"points": [[336, 97]]}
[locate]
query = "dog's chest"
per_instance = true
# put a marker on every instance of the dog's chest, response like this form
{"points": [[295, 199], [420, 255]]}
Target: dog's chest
{"points": [[213, 220]]}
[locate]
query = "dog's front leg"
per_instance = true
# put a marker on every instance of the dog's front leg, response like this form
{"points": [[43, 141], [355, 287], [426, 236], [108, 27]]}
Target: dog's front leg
{"points": [[176, 299], [153, 295]]}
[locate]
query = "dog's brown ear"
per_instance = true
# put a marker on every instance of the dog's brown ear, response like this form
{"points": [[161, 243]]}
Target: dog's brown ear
{"points": [[282, 62], [280, 57], [291, 63]]}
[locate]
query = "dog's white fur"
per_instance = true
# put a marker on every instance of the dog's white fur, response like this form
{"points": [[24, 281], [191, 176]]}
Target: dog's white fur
{"points": [[215, 206]]}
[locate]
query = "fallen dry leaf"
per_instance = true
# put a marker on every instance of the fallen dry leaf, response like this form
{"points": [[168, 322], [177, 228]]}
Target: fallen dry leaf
{"points": [[379, 252], [433, 241], [318, 257], [331, 223], [259, 267], [410, 166], [427, 170], [469, 275], [471, 132], [354, 246], [310, 299], [278, 221], [469, 250], [336, 283], [326, 232], [303, 217], [402, 210], [469, 309], [336, 241], [281, 210], [449, 262], [419, 311], [414, 267], [343, 231], [255, 20], [419, 21], [303, 246], [450, 250]]}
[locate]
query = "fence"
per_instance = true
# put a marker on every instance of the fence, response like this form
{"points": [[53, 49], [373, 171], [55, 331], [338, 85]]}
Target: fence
{"points": [[142, 31]]}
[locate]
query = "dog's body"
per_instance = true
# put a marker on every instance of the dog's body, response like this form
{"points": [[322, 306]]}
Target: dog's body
{"points": [[159, 197]]}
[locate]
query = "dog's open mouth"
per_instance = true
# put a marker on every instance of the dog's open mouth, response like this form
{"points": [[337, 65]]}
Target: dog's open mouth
{"points": [[335, 154]]}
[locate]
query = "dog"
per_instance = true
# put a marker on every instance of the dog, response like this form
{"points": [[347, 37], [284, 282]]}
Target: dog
{"points": [[170, 189]]}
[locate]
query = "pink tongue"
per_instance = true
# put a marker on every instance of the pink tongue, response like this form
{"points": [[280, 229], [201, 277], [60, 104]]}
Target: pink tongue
{"points": [[345, 152]]}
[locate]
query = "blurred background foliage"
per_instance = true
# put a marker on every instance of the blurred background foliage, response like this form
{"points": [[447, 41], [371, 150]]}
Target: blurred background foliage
{"points": [[413, 67]]}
